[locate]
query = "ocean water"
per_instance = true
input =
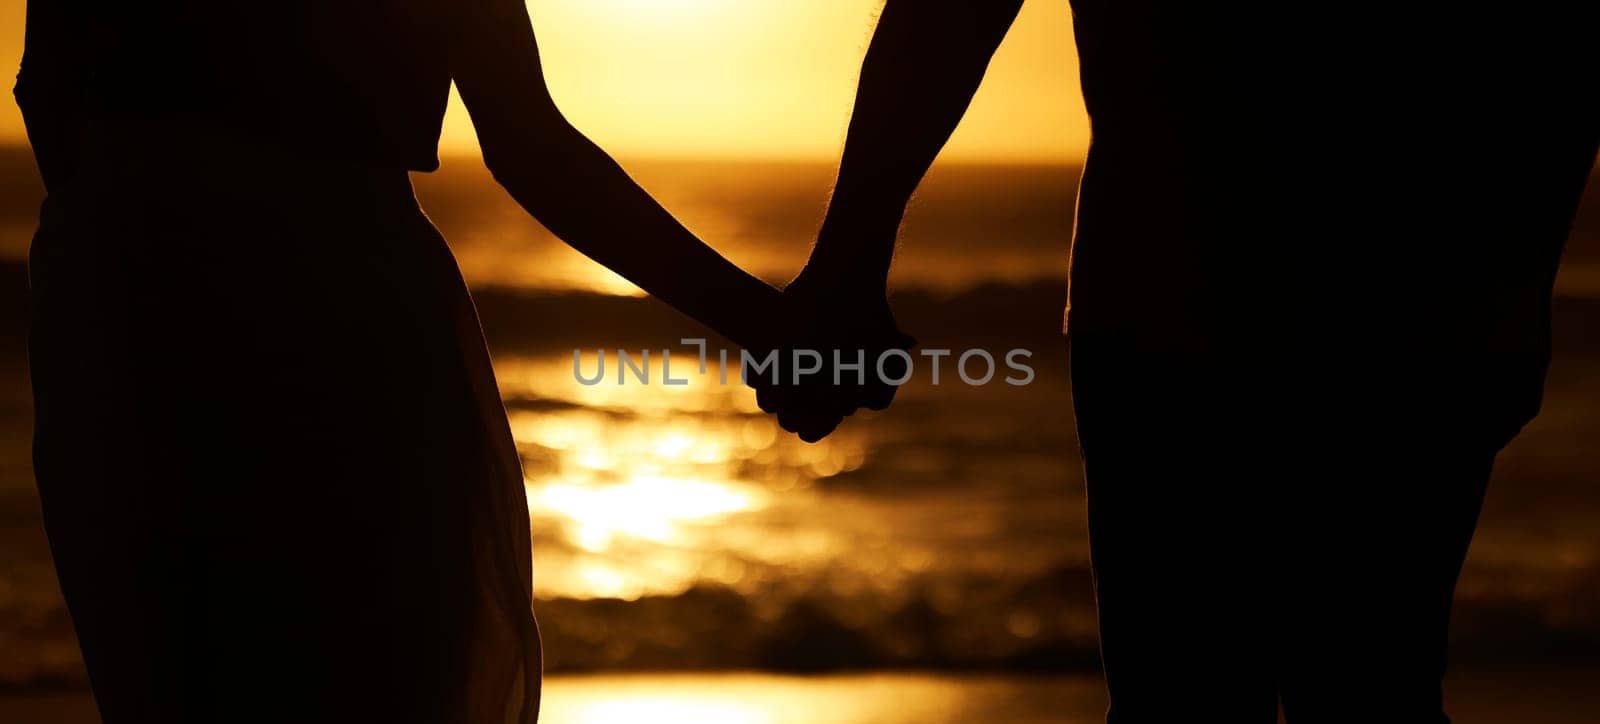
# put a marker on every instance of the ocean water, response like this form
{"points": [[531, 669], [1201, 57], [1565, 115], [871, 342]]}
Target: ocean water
{"points": [[678, 528]]}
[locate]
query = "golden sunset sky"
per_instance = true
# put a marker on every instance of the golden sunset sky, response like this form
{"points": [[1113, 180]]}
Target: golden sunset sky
{"points": [[750, 79]]}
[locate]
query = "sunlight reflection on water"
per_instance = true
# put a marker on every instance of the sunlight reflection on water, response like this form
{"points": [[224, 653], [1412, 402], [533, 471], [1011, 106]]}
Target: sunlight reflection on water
{"points": [[679, 527], [651, 488], [851, 699]]}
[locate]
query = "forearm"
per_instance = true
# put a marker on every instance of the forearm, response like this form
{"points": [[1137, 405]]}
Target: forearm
{"points": [[587, 200], [578, 192], [926, 60]]}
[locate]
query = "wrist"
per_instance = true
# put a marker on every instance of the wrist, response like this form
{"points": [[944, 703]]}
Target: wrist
{"points": [[855, 258], [840, 281], [750, 323]]}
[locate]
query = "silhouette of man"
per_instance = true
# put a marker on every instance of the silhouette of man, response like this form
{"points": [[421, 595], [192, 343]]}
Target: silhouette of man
{"points": [[1309, 302]]}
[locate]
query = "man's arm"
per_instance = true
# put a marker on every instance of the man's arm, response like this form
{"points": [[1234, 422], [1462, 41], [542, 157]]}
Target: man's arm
{"points": [[922, 68], [925, 62]]}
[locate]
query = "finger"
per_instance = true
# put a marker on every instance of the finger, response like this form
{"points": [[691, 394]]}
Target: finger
{"points": [[823, 415], [799, 417], [821, 429], [879, 392], [876, 397], [835, 401], [812, 411], [791, 420], [771, 400], [809, 426]]}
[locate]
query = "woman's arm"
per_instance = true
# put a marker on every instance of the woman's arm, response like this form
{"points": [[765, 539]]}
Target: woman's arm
{"points": [[49, 90], [578, 192]]}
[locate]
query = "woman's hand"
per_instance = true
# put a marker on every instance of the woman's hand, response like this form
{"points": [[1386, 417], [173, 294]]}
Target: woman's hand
{"points": [[845, 318]]}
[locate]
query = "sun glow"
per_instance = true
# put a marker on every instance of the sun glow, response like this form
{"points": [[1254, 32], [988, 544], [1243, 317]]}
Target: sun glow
{"points": [[654, 9], [776, 79]]}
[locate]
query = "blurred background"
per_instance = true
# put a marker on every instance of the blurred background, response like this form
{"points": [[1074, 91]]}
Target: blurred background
{"points": [[925, 564]]}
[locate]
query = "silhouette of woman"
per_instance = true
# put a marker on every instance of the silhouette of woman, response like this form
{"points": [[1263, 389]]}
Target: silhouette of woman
{"points": [[277, 478]]}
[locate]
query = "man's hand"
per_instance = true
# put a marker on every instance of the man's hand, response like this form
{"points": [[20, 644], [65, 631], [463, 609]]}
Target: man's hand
{"points": [[846, 323], [925, 62]]}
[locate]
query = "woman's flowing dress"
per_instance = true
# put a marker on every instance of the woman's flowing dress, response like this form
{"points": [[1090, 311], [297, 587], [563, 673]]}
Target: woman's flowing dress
{"points": [[277, 477]]}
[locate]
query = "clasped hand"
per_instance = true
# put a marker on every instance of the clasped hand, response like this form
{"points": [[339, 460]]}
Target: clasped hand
{"points": [[842, 329]]}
